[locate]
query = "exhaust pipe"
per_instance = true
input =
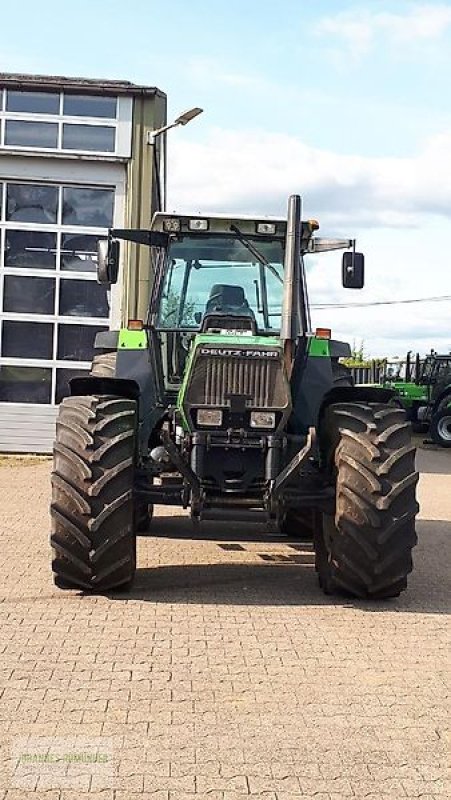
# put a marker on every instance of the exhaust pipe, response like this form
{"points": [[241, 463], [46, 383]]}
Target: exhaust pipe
{"points": [[292, 320]]}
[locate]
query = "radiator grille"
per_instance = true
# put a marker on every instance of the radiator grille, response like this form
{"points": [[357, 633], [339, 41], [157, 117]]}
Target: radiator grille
{"points": [[214, 378]]}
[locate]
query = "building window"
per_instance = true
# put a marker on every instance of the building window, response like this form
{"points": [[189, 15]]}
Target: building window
{"points": [[28, 295], [27, 339], [78, 252], [76, 342], [77, 105], [51, 306], [88, 137], [88, 207], [81, 298], [30, 249], [25, 384], [31, 134], [30, 202], [65, 122], [32, 102]]}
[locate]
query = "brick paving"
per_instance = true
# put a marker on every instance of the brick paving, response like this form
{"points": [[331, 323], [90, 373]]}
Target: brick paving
{"points": [[225, 674]]}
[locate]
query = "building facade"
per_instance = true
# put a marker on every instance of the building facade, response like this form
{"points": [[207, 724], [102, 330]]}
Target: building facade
{"points": [[74, 161]]}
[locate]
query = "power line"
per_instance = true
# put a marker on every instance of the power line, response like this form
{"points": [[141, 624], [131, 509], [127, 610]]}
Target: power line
{"points": [[439, 299]]}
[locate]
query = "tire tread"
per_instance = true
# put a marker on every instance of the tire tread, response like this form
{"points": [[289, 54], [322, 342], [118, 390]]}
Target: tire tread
{"points": [[369, 450], [92, 538]]}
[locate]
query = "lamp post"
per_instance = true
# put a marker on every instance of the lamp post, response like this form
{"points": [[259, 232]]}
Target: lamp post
{"points": [[182, 119]]}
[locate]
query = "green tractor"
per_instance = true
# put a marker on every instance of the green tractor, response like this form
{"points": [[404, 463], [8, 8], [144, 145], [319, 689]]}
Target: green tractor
{"points": [[405, 379], [424, 391], [224, 402], [433, 409]]}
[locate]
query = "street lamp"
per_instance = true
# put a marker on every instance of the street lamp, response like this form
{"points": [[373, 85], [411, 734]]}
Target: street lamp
{"points": [[183, 119]]}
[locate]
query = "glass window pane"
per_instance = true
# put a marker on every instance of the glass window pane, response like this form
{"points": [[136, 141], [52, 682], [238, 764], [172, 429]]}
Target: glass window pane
{"points": [[27, 339], [89, 137], [29, 202], [33, 102], [25, 384], [85, 206], [63, 376], [31, 134], [28, 295], [30, 249], [76, 342], [79, 252], [80, 298], [77, 105]]}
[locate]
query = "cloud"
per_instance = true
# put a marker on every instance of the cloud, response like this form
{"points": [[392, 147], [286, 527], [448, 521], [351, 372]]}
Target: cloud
{"points": [[254, 172], [360, 29], [399, 208], [391, 332], [214, 71]]}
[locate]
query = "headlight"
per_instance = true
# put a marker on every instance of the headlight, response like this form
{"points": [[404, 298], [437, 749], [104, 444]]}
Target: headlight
{"points": [[263, 419], [209, 416]]}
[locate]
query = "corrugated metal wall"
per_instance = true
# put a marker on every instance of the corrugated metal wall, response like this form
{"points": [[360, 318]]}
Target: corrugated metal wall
{"points": [[27, 429]]}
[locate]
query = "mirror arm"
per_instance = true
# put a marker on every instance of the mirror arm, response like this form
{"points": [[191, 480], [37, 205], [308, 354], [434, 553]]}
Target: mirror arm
{"points": [[140, 236]]}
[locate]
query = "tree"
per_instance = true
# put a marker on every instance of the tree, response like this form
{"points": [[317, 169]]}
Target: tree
{"points": [[171, 310], [358, 357]]}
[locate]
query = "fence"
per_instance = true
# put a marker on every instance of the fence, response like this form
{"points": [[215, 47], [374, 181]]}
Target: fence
{"points": [[373, 373]]}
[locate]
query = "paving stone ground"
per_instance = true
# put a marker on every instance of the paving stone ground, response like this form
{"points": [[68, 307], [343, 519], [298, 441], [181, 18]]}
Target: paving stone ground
{"points": [[225, 674]]}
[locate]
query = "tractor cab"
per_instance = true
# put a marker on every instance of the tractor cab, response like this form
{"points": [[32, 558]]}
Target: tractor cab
{"points": [[220, 277], [436, 368]]}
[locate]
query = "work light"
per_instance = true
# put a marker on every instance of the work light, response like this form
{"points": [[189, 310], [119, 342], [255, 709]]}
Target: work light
{"points": [[198, 224], [266, 227], [172, 225]]}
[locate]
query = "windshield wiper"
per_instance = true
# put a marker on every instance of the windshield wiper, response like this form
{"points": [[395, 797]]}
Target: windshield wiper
{"points": [[255, 252]]}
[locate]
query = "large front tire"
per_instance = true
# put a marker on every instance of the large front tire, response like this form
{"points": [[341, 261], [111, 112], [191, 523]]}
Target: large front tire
{"points": [[441, 427], [366, 548], [93, 538]]}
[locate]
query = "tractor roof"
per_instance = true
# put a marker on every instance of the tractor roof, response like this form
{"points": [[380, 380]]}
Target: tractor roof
{"points": [[223, 223]]}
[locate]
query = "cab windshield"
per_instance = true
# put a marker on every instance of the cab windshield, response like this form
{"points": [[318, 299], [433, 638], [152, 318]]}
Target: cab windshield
{"points": [[428, 367], [210, 273], [395, 371]]}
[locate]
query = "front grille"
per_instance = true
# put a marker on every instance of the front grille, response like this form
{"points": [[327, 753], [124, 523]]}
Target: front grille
{"points": [[215, 378]]}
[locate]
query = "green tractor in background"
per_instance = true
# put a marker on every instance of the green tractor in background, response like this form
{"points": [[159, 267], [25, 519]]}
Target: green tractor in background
{"points": [[403, 377], [224, 401], [424, 391], [433, 409]]}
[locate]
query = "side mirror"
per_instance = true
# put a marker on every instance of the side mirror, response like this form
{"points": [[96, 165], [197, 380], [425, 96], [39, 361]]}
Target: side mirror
{"points": [[353, 270], [107, 261]]}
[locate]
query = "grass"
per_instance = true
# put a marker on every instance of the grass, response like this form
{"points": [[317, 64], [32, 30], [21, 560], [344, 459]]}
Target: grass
{"points": [[21, 459]]}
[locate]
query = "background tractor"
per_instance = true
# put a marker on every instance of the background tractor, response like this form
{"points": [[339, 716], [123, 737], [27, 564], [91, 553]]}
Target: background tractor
{"points": [[404, 377], [424, 390], [433, 409], [223, 401]]}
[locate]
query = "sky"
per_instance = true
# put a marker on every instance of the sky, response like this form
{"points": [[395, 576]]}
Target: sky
{"points": [[346, 104]]}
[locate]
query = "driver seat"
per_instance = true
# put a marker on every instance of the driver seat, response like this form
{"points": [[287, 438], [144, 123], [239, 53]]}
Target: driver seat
{"points": [[227, 307], [226, 298]]}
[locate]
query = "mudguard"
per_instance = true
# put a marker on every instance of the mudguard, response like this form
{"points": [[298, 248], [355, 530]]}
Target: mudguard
{"points": [[135, 378]]}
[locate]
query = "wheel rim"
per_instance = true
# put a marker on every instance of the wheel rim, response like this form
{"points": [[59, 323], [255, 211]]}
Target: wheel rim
{"points": [[444, 428]]}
